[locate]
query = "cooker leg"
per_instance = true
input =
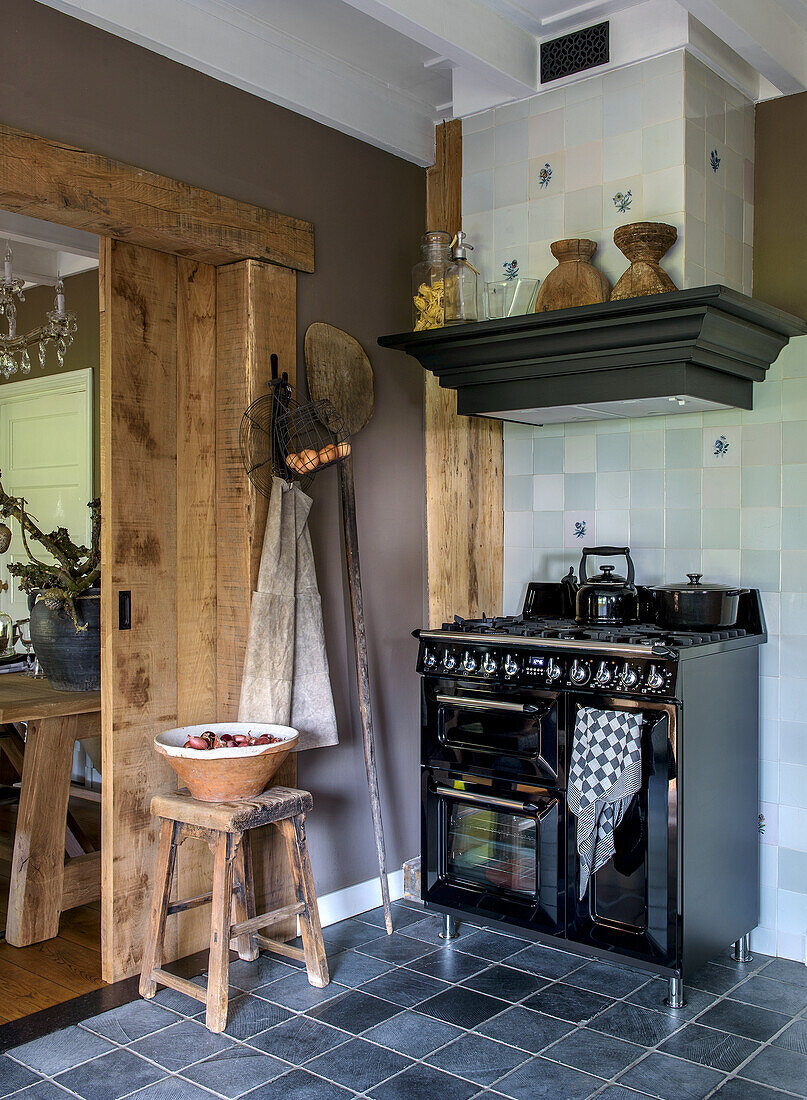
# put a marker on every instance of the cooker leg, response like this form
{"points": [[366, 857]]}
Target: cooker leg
{"points": [[449, 928], [742, 950], [675, 997]]}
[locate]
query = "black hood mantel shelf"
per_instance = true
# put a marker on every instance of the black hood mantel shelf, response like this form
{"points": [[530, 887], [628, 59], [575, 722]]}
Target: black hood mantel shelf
{"points": [[687, 351]]}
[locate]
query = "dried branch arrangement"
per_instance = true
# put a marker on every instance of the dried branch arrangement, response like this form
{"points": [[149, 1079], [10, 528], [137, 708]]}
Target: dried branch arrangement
{"points": [[75, 569]]}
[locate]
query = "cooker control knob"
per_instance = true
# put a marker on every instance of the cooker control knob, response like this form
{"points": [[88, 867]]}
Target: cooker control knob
{"points": [[552, 671], [489, 664], [469, 662], [628, 677], [429, 659], [579, 673], [603, 675], [449, 660], [510, 665], [655, 679]]}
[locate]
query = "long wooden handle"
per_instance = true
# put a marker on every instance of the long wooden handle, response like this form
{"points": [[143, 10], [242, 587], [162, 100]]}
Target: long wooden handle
{"points": [[348, 494]]}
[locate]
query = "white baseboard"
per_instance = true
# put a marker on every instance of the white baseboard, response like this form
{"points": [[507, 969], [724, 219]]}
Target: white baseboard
{"points": [[353, 900]]}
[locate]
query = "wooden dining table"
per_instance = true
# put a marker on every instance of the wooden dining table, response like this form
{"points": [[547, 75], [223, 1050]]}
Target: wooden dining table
{"points": [[39, 727]]}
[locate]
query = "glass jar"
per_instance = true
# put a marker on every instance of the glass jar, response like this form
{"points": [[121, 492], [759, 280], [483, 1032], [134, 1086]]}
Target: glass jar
{"points": [[462, 292], [429, 279]]}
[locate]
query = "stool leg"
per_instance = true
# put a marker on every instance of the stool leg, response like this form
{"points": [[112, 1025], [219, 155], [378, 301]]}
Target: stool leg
{"points": [[244, 900], [219, 962], [153, 953], [293, 830]]}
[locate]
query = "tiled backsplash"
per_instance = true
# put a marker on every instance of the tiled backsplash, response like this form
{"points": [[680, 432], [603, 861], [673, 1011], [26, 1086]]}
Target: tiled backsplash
{"points": [[724, 494], [662, 140]]}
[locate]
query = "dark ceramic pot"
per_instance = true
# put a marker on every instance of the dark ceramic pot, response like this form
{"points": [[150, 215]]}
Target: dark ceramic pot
{"points": [[70, 660]]}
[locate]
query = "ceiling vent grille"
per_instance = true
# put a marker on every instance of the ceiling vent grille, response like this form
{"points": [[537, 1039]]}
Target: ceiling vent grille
{"points": [[574, 53]]}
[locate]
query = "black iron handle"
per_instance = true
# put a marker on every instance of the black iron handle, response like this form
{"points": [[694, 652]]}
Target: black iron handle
{"points": [[606, 552]]}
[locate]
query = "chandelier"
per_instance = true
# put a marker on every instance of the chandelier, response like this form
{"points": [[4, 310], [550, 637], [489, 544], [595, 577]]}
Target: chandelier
{"points": [[15, 349]]}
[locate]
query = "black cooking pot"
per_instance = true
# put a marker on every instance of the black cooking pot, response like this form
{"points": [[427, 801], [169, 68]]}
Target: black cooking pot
{"points": [[607, 597], [696, 606]]}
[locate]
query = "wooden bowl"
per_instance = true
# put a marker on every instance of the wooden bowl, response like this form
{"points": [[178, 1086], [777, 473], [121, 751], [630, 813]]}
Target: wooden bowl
{"points": [[225, 775]]}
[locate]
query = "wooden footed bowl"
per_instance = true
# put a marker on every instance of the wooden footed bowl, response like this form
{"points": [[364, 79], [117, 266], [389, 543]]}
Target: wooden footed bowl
{"points": [[644, 244], [575, 281], [226, 775]]}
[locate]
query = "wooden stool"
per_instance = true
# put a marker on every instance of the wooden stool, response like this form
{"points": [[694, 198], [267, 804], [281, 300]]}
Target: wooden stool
{"points": [[225, 827]]}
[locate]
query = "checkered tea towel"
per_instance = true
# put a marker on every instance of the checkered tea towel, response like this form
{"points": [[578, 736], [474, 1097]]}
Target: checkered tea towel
{"points": [[605, 774]]}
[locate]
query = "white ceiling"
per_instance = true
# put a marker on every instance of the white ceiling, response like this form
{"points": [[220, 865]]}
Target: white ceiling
{"points": [[43, 251], [386, 70]]}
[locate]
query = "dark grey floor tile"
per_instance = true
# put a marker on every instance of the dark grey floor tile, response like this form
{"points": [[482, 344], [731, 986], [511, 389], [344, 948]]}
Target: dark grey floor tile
{"points": [[296, 992], [111, 1076], [654, 993], [413, 1033], [671, 1078], [236, 1071], [252, 975], [450, 965], [463, 1007], [607, 978], [492, 946], [478, 1058], [725, 958], [14, 1076], [521, 1027], [617, 1092], [358, 1064], [251, 1013], [738, 1089], [131, 1021], [397, 948], [178, 1002], [402, 916], [710, 1047], [769, 993], [780, 1068], [298, 1039], [350, 968], [170, 1088], [794, 1038], [404, 987], [354, 1011], [348, 933], [505, 982], [42, 1090], [592, 1052], [568, 1003], [300, 1085], [546, 961], [61, 1050], [636, 1025], [421, 1082], [715, 979], [786, 970], [427, 930], [742, 1019], [539, 1079], [179, 1045]]}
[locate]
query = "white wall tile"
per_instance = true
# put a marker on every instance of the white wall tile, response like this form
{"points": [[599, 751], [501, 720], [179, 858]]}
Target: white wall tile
{"points": [[546, 134], [583, 166], [511, 142], [583, 122], [622, 155], [663, 146], [583, 211], [622, 111], [510, 185], [547, 493]]}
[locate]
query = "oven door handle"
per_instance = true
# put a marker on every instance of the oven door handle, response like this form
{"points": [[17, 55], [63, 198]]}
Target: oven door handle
{"points": [[493, 801], [486, 704]]}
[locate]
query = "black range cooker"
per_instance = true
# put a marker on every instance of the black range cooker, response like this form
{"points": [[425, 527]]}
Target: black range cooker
{"points": [[500, 698]]}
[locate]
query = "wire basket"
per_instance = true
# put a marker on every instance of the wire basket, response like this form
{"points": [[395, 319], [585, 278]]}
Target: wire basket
{"points": [[280, 438]]}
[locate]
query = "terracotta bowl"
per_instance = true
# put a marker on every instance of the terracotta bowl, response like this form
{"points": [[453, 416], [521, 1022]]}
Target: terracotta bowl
{"points": [[225, 775]]}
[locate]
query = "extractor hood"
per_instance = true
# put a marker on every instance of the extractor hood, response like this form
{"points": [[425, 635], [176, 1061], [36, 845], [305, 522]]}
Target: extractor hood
{"points": [[686, 351]]}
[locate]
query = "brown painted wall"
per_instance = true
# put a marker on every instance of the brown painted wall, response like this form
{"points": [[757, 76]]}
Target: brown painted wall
{"points": [[367, 207], [780, 209]]}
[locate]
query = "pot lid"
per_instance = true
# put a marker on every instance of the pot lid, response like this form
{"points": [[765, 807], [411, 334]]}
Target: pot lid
{"points": [[606, 575], [695, 585]]}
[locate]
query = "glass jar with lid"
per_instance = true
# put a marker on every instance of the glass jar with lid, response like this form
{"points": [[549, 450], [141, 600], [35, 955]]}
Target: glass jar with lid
{"points": [[430, 279]]}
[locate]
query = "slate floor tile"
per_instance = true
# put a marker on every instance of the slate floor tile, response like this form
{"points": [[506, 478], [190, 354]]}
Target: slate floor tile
{"points": [[742, 1019], [539, 1079], [521, 1027], [769, 993], [654, 993], [786, 970], [404, 987], [715, 979], [42, 1090], [546, 961], [296, 992], [397, 948], [506, 982], [131, 1021], [607, 978], [298, 1039], [738, 1089], [252, 975], [179, 1003], [725, 958], [413, 1034], [592, 1052], [351, 968], [419, 1082], [709, 1047], [348, 933], [463, 1007], [358, 1064], [353, 1011], [179, 1045], [402, 916], [248, 1015], [428, 929], [14, 1076], [568, 1003], [794, 1037], [779, 1068], [300, 1085], [61, 1050], [616, 1092], [671, 1078], [636, 1025], [235, 1071], [479, 1059], [449, 965], [493, 946], [111, 1076], [169, 1088]]}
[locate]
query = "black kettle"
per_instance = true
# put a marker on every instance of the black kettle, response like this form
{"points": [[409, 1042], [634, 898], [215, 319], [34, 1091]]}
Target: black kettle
{"points": [[607, 598]]}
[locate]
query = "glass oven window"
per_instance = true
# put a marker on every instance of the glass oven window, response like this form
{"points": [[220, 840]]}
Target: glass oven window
{"points": [[512, 732], [491, 848]]}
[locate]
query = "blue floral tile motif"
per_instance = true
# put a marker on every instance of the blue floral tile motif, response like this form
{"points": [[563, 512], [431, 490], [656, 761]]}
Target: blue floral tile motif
{"points": [[511, 269], [622, 201], [714, 160], [721, 446], [580, 529], [761, 823], [544, 176]]}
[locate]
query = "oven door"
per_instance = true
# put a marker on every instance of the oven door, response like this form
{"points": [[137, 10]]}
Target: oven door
{"points": [[510, 732], [495, 850], [631, 904]]}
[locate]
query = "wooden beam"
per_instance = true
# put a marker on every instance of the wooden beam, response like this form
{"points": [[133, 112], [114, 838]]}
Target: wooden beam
{"points": [[60, 183], [82, 880], [464, 455]]}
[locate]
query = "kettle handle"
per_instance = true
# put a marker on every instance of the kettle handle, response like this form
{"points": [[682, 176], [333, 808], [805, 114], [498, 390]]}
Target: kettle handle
{"points": [[606, 552]]}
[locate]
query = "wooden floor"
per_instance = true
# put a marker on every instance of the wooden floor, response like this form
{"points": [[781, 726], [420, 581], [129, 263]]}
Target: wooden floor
{"points": [[46, 974]]}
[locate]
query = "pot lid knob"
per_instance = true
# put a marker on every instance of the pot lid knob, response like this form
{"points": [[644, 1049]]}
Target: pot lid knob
{"points": [[694, 578]]}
